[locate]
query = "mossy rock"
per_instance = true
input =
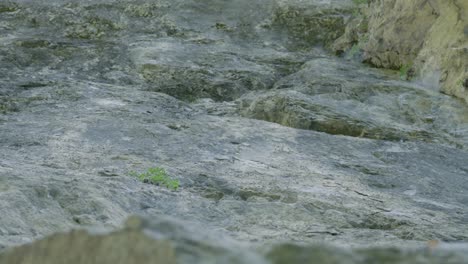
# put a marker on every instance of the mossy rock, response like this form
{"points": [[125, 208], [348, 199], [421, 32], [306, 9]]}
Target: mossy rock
{"points": [[309, 27], [8, 7], [190, 83]]}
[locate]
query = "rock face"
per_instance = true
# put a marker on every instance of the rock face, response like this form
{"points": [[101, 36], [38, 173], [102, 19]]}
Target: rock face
{"points": [[167, 240], [427, 38], [326, 95], [273, 140]]}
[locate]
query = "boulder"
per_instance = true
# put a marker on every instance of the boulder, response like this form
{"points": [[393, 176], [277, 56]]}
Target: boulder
{"points": [[426, 40]]}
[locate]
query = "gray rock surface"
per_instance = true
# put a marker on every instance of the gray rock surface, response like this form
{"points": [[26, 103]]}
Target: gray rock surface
{"points": [[272, 139]]}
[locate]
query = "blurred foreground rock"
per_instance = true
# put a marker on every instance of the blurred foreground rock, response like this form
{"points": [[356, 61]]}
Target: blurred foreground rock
{"points": [[170, 241], [82, 247]]}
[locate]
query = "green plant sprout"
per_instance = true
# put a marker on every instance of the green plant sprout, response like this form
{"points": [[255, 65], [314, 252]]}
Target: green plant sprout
{"points": [[404, 69], [157, 176], [353, 51]]}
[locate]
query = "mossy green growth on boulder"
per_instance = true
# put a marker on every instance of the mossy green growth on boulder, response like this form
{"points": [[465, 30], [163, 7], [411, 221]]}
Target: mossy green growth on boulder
{"points": [[291, 253]]}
